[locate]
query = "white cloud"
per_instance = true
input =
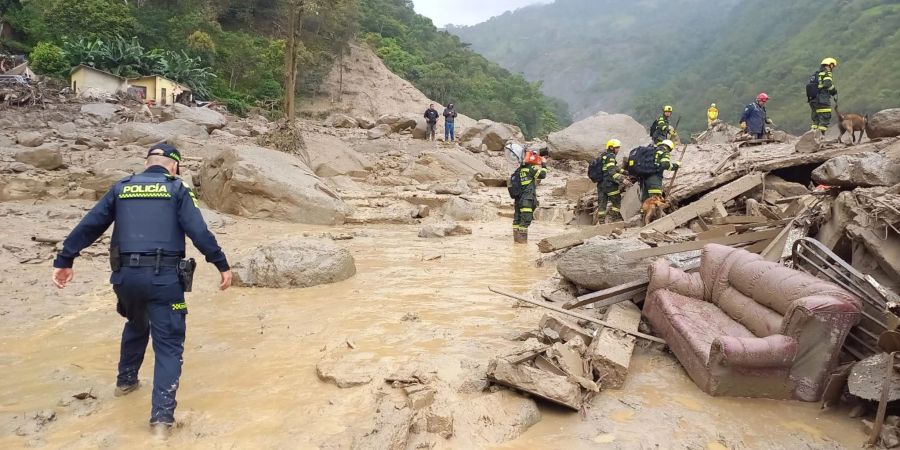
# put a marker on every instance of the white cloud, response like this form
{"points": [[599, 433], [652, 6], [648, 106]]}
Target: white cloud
{"points": [[467, 12]]}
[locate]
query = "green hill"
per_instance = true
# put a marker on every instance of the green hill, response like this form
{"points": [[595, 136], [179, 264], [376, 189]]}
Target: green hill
{"points": [[631, 57]]}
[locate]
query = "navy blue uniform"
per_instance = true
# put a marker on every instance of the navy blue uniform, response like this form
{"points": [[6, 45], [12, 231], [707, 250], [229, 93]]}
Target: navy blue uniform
{"points": [[756, 118], [153, 212]]}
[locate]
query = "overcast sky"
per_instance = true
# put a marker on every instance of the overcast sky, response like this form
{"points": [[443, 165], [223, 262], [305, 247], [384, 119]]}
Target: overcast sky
{"points": [[467, 12]]}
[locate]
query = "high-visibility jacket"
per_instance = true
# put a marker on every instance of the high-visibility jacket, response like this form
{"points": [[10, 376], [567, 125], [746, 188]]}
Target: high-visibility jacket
{"points": [[712, 114]]}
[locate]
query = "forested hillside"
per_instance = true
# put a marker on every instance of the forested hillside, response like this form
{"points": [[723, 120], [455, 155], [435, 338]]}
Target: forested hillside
{"points": [[235, 50], [631, 57]]}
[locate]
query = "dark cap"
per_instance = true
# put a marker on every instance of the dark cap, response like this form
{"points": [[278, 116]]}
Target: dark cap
{"points": [[165, 150]]}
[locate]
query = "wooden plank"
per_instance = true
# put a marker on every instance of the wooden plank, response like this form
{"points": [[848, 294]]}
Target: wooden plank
{"points": [[784, 200], [697, 245], [575, 314], [607, 293], [772, 223], [610, 352], [757, 247], [562, 241], [721, 165], [716, 232], [739, 220], [702, 223], [706, 203], [552, 387], [719, 210]]}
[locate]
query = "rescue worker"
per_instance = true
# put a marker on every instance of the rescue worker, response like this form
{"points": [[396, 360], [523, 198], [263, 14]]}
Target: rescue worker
{"points": [[660, 130], [712, 115], [653, 184], [530, 172], [755, 118], [153, 211], [820, 105], [609, 189]]}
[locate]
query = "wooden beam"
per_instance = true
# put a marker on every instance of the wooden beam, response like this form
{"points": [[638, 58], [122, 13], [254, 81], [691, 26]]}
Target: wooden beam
{"points": [[772, 223], [706, 203], [697, 245], [606, 293], [610, 352], [575, 314], [719, 210], [716, 232], [562, 241], [735, 220]]}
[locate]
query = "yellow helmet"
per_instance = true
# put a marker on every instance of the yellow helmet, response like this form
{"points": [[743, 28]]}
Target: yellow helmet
{"points": [[829, 61], [667, 108], [668, 143], [613, 143]]}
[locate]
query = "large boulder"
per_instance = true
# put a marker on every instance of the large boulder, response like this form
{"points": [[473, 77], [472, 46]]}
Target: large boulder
{"points": [[457, 208], [296, 263], [152, 133], [379, 131], [339, 120], [492, 135], [784, 187], [867, 169], [597, 264], [584, 140], [449, 164], [884, 123], [443, 229], [206, 117], [398, 122], [47, 158], [365, 123], [421, 129], [29, 139], [103, 111], [260, 183], [330, 156], [809, 142]]}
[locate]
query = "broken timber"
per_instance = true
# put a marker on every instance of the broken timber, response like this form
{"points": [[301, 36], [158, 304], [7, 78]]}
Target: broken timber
{"points": [[738, 220], [632, 289], [563, 241], [706, 203], [610, 352], [575, 314], [697, 245], [546, 385]]}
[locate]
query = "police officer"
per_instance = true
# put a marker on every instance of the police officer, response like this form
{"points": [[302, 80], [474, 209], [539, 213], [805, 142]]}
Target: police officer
{"points": [[153, 211], [609, 189]]}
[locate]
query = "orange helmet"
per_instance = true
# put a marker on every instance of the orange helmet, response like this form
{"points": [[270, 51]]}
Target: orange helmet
{"points": [[533, 158]]}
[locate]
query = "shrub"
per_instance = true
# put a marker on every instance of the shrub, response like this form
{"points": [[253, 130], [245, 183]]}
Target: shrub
{"points": [[48, 59]]}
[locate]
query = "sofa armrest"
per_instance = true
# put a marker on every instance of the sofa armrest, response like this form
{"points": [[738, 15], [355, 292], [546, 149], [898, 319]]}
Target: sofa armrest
{"points": [[663, 276], [772, 351]]}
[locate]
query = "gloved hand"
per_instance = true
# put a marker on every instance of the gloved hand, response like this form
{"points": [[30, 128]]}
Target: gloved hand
{"points": [[743, 125], [835, 98], [627, 183], [676, 165]]}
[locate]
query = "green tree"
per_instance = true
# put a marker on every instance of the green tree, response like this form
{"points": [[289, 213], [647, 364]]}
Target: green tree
{"points": [[48, 59], [89, 19]]}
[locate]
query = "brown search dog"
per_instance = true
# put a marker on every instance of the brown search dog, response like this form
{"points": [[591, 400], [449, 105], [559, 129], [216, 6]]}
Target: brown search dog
{"points": [[851, 123], [654, 208]]}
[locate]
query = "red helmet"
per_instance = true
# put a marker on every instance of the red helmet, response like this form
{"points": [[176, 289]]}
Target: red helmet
{"points": [[533, 158], [762, 97]]}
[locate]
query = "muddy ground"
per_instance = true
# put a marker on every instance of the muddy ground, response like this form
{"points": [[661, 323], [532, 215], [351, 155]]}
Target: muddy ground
{"points": [[250, 362]]}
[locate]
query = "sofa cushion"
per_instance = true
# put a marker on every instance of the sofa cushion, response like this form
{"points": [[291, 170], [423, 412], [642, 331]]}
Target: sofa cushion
{"points": [[757, 318], [698, 322]]}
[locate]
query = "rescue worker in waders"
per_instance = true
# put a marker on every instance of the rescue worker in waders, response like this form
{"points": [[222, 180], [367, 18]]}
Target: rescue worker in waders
{"points": [[611, 181], [153, 211], [819, 92], [524, 183], [660, 130], [650, 168], [712, 115]]}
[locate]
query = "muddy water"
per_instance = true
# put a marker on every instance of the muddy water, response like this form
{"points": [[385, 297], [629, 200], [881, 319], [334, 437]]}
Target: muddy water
{"points": [[249, 377]]}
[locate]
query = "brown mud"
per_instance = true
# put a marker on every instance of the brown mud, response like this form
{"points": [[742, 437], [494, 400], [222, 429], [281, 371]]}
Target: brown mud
{"points": [[250, 377]]}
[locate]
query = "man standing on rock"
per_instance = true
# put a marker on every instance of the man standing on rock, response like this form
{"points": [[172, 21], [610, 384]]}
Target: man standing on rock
{"points": [[755, 118], [527, 175], [449, 118], [153, 212], [611, 180], [431, 118], [819, 92], [660, 130], [712, 115]]}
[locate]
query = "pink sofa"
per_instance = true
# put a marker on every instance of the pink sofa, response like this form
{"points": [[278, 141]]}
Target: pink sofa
{"points": [[745, 327]]}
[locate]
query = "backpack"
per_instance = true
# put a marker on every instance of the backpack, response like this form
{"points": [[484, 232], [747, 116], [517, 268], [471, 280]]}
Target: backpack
{"points": [[595, 170], [514, 185], [642, 161], [653, 127], [812, 87]]}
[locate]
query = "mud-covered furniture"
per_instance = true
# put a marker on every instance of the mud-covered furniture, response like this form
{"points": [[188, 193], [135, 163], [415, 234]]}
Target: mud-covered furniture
{"points": [[742, 326]]}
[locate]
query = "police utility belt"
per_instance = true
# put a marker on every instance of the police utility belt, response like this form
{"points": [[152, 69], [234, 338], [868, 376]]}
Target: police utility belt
{"points": [[185, 267]]}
